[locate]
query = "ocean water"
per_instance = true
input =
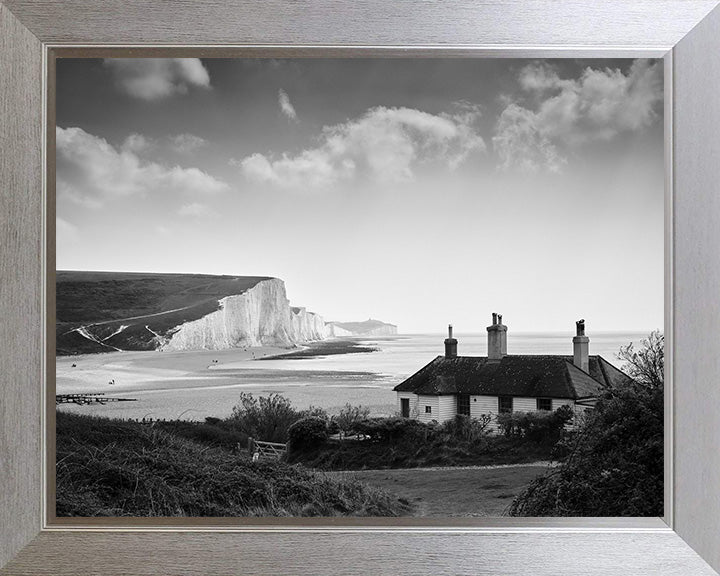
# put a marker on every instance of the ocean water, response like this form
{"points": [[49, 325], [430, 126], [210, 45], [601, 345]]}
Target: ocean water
{"points": [[212, 389]]}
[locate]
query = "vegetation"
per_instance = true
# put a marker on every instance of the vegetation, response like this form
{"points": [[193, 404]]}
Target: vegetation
{"points": [[536, 426], [124, 468], [349, 417], [408, 443], [107, 298], [308, 433], [615, 461], [269, 418]]}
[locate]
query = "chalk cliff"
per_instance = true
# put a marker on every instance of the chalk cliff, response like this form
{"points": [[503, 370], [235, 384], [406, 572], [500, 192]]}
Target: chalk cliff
{"points": [[261, 316], [117, 311], [369, 327]]}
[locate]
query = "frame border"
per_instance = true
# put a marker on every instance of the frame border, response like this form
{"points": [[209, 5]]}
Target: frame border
{"points": [[24, 42]]}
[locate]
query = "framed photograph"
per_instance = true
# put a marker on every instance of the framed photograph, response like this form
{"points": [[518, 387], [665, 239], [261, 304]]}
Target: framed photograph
{"points": [[135, 157]]}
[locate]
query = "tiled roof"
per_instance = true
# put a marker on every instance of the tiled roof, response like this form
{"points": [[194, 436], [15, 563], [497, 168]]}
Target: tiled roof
{"points": [[513, 375]]}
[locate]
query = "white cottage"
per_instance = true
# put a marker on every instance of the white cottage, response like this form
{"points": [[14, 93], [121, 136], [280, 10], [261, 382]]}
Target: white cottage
{"points": [[502, 382]]}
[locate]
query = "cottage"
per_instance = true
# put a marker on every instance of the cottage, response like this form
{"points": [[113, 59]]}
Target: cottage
{"points": [[502, 382]]}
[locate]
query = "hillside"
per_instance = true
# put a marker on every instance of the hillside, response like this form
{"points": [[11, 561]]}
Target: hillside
{"points": [[369, 327], [123, 468], [106, 311]]}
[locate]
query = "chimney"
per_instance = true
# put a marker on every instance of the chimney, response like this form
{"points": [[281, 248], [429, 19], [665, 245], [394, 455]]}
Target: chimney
{"points": [[581, 347], [497, 338], [450, 344]]}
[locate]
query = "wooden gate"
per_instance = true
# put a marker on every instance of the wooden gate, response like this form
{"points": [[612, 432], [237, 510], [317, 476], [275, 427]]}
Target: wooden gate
{"points": [[261, 450]]}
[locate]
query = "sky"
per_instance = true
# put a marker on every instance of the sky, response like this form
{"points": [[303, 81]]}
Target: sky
{"points": [[419, 192]]}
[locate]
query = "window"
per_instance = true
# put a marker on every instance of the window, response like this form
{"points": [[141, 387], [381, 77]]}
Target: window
{"points": [[428, 409], [505, 404], [544, 404], [405, 407], [463, 404]]}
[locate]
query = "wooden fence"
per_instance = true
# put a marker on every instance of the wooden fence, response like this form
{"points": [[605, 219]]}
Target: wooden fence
{"points": [[261, 450]]}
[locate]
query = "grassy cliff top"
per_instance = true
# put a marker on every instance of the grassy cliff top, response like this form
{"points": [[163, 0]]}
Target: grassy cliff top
{"points": [[85, 297]]}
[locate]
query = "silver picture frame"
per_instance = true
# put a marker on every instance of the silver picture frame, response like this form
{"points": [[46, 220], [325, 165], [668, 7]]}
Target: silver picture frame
{"points": [[686, 33]]}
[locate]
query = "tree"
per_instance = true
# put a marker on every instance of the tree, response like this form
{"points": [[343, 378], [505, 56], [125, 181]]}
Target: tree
{"points": [[349, 416], [615, 462], [645, 365], [265, 418]]}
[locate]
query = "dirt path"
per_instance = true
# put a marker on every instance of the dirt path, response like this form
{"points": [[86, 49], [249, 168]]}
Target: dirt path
{"points": [[469, 491]]}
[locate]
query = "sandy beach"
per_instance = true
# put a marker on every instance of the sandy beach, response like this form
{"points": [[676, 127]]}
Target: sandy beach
{"points": [[195, 384]]}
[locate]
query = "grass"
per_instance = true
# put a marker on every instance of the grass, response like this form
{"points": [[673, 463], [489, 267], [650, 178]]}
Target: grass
{"points": [[453, 492], [107, 297], [124, 468], [352, 454]]}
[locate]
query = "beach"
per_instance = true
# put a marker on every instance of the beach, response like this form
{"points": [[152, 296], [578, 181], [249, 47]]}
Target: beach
{"points": [[193, 385]]}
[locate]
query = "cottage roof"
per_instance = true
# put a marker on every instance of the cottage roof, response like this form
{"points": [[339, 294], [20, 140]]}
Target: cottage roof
{"points": [[513, 375]]}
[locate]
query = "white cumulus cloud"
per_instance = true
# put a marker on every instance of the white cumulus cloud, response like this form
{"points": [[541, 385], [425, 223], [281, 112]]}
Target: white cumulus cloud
{"points": [[384, 144], [156, 78], [563, 113], [285, 105], [90, 170], [197, 210], [187, 143]]}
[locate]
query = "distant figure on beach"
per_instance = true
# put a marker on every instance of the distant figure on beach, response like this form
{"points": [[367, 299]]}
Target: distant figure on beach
{"points": [[112, 382], [74, 365]]}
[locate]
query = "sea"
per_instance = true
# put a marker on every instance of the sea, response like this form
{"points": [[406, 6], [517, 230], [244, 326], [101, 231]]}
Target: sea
{"points": [[329, 382]]}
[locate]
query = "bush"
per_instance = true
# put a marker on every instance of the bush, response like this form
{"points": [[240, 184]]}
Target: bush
{"points": [[349, 416], [307, 434], [266, 418], [466, 428], [394, 429], [535, 426]]}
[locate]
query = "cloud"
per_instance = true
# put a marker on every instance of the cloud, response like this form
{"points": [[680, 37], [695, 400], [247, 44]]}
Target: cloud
{"points": [[186, 143], [562, 113], [157, 78], [137, 144], [286, 106], [89, 171], [385, 144], [197, 210]]}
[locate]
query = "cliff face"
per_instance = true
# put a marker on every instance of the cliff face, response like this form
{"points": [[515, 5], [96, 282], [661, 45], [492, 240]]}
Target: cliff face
{"points": [[369, 327], [261, 316], [118, 311], [307, 326]]}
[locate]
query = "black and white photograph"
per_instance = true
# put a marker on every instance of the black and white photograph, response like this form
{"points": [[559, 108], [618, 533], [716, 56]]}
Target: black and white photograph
{"points": [[359, 287]]}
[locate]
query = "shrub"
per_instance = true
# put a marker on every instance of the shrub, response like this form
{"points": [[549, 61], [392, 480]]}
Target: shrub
{"points": [[535, 426], [307, 434], [466, 428], [265, 418], [394, 429], [349, 416], [315, 411]]}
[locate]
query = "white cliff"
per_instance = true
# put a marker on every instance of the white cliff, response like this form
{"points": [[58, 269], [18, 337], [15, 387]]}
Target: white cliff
{"points": [[307, 326], [332, 330], [261, 316], [369, 327]]}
